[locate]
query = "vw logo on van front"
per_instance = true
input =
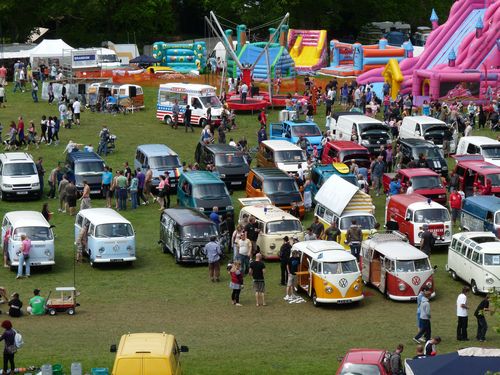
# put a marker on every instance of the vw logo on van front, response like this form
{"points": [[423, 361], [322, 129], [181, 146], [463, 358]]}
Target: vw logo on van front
{"points": [[116, 248], [415, 280], [343, 283]]}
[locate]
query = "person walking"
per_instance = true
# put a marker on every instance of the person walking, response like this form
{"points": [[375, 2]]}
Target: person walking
{"points": [[425, 319], [252, 230], [214, 253], [354, 237], [85, 199], [24, 256], [377, 171], [187, 119], [455, 205], [258, 271], [427, 240], [71, 195], [175, 114], [462, 314], [284, 255], [141, 178], [332, 233], [430, 346], [107, 178], [10, 349], [81, 242], [121, 191], [236, 283], [133, 188], [244, 252], [104, 135], [395, 361], [482, 325], [41, 173], [53, 181], [34, 90]]}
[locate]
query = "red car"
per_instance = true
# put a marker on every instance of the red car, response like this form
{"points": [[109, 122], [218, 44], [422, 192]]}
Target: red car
{"points": [[345, 152], [363, 361], [424, 181]]}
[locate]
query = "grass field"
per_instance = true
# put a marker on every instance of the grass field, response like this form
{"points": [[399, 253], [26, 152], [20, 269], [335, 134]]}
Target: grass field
{"points": [[156, 295]]}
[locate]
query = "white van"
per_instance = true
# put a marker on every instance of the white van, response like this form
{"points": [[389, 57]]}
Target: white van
{"points": [[37, 229], [475, 258], [366, 131], [485, 146], [18, 176], [198, 97], [430, 129]]}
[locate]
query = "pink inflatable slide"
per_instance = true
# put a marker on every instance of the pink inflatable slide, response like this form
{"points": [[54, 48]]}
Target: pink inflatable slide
{"points": [[461, 57]]}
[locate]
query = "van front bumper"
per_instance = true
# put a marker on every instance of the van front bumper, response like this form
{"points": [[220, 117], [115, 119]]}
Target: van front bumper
{"points": [[21, 193], [35, 264], [340, 301], [114, 260], [407, 298]]}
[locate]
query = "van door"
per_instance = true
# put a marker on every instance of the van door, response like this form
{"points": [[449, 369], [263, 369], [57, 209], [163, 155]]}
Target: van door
{"points": [[418, 131], [365, 263], [197, 111], [305, 275], [383, 272], [78, 225]]}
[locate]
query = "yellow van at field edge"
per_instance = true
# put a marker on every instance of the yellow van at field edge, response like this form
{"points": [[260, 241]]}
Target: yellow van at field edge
{"points": [[148, 354], [327, 273]]}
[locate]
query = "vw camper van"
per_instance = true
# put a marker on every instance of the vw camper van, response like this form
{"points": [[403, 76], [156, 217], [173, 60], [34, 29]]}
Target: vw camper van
{"points": [[430, 129], [394, 267], [184, 232], [18, 176], [274, 224], [327, 273], [281, 154], [366, 131], [475, 258], [37, 229], [198, 97], [481, 213], [111, 237], [160, 159]]}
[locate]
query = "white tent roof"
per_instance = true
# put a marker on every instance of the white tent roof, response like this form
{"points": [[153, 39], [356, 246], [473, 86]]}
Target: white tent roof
{"points": [[50, 48], [336, 193]]}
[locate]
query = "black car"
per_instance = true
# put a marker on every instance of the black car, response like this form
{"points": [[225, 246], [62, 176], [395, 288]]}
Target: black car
{"points": [[227, 161], [413, 148]]}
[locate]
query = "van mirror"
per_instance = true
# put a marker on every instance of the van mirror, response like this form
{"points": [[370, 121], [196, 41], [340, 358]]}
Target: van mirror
{"points": [[408, 218], [184, 349], [52, 226], [435, 267], [112, 348]]}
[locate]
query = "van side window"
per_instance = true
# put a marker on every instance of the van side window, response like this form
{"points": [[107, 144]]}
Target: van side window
{"points": [[140, 157], [472, 149], [460, 171], [469, 252], [409, 215], [476, 257], [417, 129], [481, 179], [256, 183], [79, 220], [454, 244], [91, 229], [314, 266], [320, 211], [463, 249], [328, 216], [389, 265], [5, 222], [332, 152], [195, 102]]}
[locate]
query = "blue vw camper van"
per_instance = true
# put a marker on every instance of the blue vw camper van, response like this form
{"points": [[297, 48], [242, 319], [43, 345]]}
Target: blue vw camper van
{"points": [[481, 213], [111, 237]]}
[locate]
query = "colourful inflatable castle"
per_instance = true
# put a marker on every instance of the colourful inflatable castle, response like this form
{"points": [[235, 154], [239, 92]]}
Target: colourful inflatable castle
{"points": [[354, 59], [277, 60], [182, 58], [461, 58], [308, 49]]}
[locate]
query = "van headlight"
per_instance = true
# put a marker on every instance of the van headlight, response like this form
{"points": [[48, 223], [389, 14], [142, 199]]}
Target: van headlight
{"points": [[441, 196], [130, 250], [420, 234], [8, 186], [402, 287], [35, 184], [365, 142], [201, 209], [356, 287], [489, 280], [388, 141], [328, 289], [101, 250], [229, 208], [272, 246], [428, 284], [222, 175], [47, 253], [447, 233]]}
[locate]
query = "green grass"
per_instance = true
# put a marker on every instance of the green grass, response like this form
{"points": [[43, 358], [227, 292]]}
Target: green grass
{"points": [[156, 295]]}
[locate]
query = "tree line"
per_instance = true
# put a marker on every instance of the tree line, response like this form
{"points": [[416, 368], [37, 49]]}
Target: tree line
{"points": [[87, 23]]}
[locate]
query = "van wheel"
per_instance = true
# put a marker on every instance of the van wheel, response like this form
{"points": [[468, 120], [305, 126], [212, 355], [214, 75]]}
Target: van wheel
{"points": [[52, 312], [71, 311], [473, 287], [454, 275], [168, 120], [315, 299]]}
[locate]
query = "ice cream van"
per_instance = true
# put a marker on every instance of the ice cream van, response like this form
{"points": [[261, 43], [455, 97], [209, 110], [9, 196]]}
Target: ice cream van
{"points": [[412, 211], [475, 258], [327, 273], [200, 99], [393, 266]]}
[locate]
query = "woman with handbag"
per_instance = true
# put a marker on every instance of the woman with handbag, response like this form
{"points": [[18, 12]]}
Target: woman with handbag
{"points": [[10, 348]]}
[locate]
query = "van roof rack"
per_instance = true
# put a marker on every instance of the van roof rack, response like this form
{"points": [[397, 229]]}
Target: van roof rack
{"points": [[386, 236]]}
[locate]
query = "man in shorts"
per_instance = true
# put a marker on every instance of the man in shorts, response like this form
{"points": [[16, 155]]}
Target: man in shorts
{"points": [[77, 110], [257, 271], [292, 268]]}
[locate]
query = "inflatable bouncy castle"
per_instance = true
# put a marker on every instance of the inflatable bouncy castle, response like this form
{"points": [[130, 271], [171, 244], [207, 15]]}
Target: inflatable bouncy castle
{"points": [[281, 65], [182, 58], [308, 49], [461, 58]]}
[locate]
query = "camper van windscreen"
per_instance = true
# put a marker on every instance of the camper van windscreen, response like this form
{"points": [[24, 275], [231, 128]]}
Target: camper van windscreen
{"points": [[306, 130], [416, 265], [491, 151], [492, 259], [432, 215], [363, 221], [19, 169], [336, 268], [428, 152], [290, 156], [160, 162], [114, 230], [34, 233], [283, 226]]}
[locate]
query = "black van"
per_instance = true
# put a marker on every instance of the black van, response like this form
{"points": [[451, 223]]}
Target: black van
{"points": [[412, 148], [184, 232], [230, 163], [89, 166]]}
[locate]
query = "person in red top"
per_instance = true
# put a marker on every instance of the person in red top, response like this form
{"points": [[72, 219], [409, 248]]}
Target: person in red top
{"points": [[486, 190], [263, 117], [455, 205]]}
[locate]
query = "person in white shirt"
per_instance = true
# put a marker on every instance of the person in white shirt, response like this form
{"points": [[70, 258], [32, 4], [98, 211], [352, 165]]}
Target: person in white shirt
{"points": [[409, 189], [462, 314], [244, 93], [76, 111], [468, 130]]}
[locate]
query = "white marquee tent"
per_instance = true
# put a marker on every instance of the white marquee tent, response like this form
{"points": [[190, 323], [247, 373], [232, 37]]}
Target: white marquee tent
{"points": [[49, 48]]}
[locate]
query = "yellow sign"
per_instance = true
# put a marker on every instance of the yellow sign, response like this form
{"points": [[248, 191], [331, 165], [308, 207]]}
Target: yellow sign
{"points": [[341, 168]]}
